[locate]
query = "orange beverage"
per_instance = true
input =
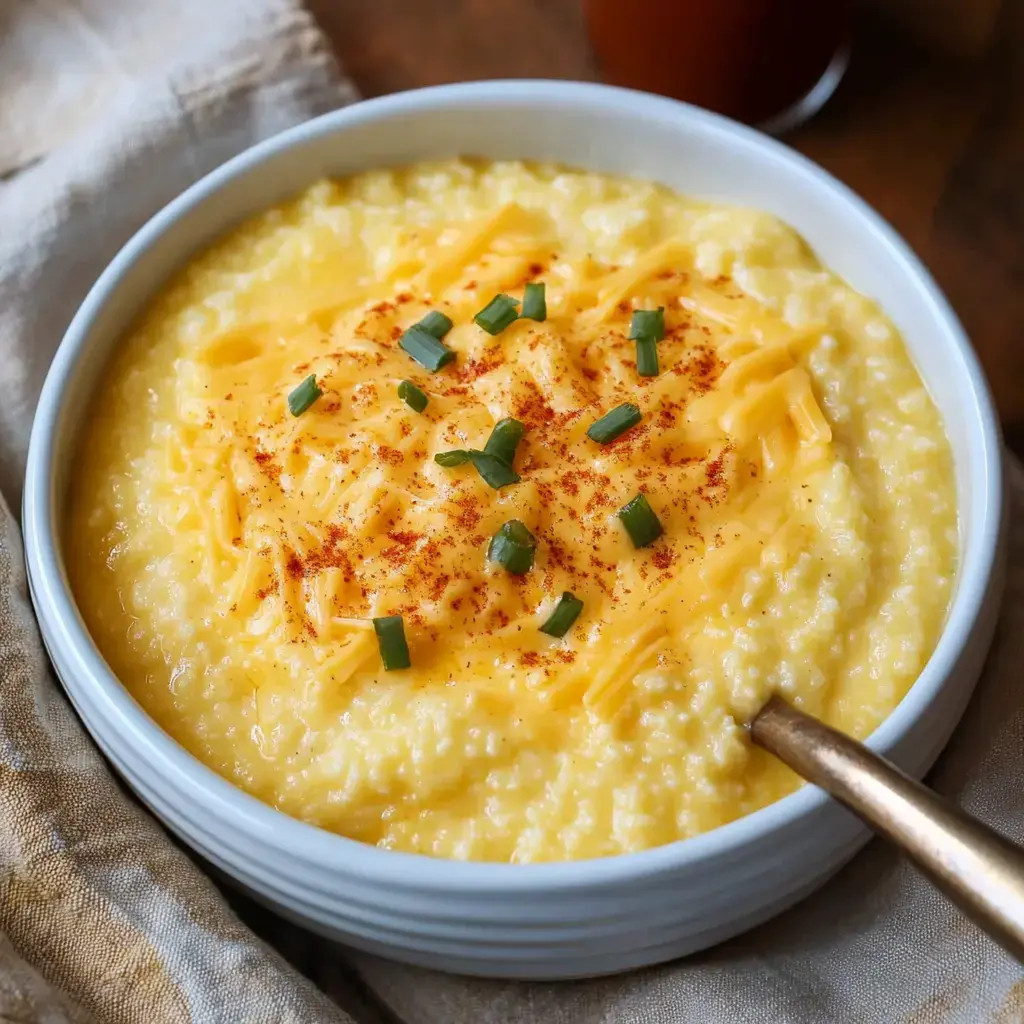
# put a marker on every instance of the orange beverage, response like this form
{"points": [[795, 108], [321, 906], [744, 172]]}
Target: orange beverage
{"points": [[753, 60]]}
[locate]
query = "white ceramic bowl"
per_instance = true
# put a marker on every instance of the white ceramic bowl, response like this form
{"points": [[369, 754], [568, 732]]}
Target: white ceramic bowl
{"points": [[550, 920]]}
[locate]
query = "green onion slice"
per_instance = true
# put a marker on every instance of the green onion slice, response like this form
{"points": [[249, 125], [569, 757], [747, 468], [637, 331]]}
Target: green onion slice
{"points": [[435, 324], [566, 612], [647, 323], [456, 457], [304, 395], [513, 547], [535, 305], [615, 423], [430, 353], [504, 439], [394, 651], [501, 311], [641, 522], [647, 357], [412, 396], [496, 472]]}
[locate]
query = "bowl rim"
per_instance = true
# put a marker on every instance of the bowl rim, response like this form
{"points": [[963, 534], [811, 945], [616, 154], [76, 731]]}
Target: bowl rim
{"points": [[249, 818]]}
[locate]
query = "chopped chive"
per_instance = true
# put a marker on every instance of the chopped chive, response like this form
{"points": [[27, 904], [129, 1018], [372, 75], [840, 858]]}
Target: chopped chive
{"points": [[302, 397], [615, 423], [435, 324], [496, 472], [647, 323], [394, 651], [456, 457], [640, 521], [504, 439], [647, 357], [566, 612], [535, 304], [497, 314], [513, 547], [412, 396], [494, 463], [430, 353]]}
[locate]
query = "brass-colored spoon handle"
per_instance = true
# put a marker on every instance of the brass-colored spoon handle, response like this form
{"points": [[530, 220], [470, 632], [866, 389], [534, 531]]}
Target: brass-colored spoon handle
{"points": [[982, 872]]}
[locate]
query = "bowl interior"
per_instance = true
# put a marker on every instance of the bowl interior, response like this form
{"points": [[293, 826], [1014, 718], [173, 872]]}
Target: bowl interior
{"points": [[597, 128]]}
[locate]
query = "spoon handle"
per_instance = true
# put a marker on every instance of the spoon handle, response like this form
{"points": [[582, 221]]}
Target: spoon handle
{"points": [[982, 872]]}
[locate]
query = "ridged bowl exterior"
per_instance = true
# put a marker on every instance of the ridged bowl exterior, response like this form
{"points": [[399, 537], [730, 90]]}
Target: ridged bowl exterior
{"points": [[553, 920]]}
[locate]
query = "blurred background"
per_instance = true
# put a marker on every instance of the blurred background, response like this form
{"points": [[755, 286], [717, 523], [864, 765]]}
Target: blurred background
{"points": [[925, 120]]}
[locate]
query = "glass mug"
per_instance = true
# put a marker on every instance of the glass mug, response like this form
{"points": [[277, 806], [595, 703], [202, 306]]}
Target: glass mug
{"points": [[770, 63]]}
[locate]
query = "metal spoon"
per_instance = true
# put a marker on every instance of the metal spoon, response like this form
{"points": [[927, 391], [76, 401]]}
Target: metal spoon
{"points": [[982, 872]]}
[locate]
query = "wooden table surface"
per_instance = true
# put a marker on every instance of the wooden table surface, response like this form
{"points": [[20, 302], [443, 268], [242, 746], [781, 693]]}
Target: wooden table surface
{"points": [[936, 147]]}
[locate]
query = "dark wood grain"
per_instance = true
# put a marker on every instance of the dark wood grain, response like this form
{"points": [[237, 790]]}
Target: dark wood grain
{"points": [[936, 147], [387, 45]]}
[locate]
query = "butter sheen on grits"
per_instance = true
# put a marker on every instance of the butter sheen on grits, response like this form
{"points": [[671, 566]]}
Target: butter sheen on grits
{"points": [[228, 557]]}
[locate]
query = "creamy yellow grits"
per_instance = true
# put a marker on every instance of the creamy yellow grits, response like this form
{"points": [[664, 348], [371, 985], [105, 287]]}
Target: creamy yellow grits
{"points": [[229, 557]]}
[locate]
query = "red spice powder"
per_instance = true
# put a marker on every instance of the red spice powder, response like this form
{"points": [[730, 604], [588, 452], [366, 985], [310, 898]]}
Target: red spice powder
{"points": [[266, 463], [663, 558], [714, 470], [330, 555], [407, 538], [438, 585], [476, 368], [532, 408], [570, 483], [392, 456], [364, 394], [560, 556], [703, 369], [468, 514]]}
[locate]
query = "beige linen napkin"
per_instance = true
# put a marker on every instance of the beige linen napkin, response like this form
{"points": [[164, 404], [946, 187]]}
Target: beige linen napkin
{"points": [[109, 108]]}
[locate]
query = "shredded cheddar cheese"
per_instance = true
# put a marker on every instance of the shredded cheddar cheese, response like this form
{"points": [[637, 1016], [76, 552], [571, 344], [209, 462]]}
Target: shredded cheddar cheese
{"points": [[230, 554]]}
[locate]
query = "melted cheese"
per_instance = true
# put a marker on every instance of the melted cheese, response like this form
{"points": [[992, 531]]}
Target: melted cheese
{"points": [[229, 556]]}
